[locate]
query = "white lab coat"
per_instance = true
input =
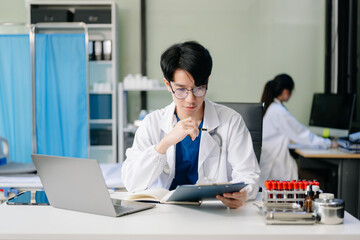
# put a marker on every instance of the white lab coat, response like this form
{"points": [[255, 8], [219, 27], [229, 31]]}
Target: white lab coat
{"points": [[145, 168], [279, 127]]}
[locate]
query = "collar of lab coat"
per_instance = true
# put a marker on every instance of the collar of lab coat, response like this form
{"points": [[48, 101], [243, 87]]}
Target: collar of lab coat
{"points": [[277, 101], [280, 102], [211, 119]]}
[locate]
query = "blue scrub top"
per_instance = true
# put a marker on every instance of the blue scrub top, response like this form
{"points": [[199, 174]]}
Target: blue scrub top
{"points": [[187, 154]]}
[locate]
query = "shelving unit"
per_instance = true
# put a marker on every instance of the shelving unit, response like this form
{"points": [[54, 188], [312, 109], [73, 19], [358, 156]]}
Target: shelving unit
{"points": [[102, 75], [126, 133]]}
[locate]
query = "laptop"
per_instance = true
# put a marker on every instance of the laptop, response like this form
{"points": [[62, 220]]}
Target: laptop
{"points": [[78, 184]]}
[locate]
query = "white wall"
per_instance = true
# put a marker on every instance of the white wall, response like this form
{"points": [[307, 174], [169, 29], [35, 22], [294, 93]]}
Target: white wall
{"points": [[250, 41]]}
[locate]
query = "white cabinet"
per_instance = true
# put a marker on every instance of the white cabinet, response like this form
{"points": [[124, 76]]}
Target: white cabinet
{"points": [[127, 132], [100, 19]]}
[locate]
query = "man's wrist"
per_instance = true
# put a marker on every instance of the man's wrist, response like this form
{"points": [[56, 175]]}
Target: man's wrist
{"points": [[161, 147]]}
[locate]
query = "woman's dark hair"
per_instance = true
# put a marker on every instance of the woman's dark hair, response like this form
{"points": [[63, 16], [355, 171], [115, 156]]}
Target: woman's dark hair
{"points": [[189, 56], [274, 88]]}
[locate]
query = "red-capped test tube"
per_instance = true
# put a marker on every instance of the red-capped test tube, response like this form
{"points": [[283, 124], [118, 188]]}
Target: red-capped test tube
{"points": [[296, 188], [267, 185], [272, 186], [306, 183], [302, 195], [285, 189], [291, 189], [279, 188]]}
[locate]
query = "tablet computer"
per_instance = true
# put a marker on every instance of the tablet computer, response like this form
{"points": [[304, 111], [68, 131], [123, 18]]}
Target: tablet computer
{"points": [[29, 198]]}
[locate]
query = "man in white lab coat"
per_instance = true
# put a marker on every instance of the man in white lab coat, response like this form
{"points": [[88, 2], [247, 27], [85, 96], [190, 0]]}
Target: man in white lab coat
{"points": [[192, 140]]}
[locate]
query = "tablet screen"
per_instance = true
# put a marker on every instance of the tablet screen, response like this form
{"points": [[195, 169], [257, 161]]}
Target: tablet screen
{"points": [[29, 198]]}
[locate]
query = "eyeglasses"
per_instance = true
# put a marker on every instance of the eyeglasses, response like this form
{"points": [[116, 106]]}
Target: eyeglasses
{"points": [[182, 93]]}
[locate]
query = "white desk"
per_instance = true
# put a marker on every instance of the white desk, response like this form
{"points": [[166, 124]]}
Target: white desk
{"points": [[326, 153], [169, 222], [348, 167]]}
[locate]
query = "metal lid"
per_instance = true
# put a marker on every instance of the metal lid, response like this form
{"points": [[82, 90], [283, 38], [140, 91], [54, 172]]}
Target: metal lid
{"points": [[328, 196], [336, 202]]}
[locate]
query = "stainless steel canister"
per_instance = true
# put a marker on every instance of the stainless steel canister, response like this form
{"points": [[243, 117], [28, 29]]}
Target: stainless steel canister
{"points": [[329, 210]]}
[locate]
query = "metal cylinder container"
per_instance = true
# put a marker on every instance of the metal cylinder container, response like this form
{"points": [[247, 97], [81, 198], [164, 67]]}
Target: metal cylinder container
{"points": [[329, 210]]}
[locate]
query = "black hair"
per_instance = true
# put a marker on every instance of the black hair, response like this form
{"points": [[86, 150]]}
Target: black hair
{"points": [[274, 88], [189, 56]]}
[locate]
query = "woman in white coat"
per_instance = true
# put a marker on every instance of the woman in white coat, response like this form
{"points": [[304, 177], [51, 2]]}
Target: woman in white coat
{"points": [[170, 150], [279, 128]]}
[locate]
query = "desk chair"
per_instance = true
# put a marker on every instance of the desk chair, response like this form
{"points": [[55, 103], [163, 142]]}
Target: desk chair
{"points": [[252, 114]]}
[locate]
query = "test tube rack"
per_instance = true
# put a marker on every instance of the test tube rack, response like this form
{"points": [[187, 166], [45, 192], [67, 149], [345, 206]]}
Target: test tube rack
{"points": [[283, 196]]}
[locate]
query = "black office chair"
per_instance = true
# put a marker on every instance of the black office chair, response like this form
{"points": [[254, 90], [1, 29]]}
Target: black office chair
{"points": [[252, 114]]}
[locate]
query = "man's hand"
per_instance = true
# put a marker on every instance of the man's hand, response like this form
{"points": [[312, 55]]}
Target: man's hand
{"points": [[182, 129], [233, 200], [334, 144]]}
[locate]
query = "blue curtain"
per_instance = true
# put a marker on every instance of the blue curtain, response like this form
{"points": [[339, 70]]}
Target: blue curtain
{"points": [[15, 96], [61, 106]]}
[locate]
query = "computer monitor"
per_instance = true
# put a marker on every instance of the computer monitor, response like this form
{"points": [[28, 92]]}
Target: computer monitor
{"points": [[333, 112]]}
